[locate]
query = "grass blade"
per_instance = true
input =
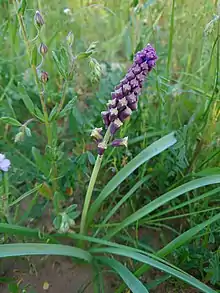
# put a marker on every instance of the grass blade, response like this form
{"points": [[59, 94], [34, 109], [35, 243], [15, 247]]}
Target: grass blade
{"points": [[158, 202], [154, 149], [130, 280], [161, 266], [175, 244], [19, 249], [123, 200]]}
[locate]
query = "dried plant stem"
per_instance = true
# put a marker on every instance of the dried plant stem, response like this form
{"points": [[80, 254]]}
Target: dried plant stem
{"points": [[83, 227]]}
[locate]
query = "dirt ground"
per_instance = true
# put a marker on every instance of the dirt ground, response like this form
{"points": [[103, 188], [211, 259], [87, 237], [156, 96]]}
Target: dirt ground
{"points": [[61, 275], [49, 275]]}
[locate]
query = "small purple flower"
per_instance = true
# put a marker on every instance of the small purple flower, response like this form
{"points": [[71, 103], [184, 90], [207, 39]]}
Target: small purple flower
{"points": [[43, 49], [97, 134], [38, 19], [4, 163], [105, 117], [122, 104], [112, 103], [113, 114], [101, 148], [125, 114], [132, 98], [115, 125], [44, 77], [120, 142]]}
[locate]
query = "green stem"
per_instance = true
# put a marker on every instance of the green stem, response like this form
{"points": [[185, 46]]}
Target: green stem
{"points": [[41, 91], [41, 95], [83, 228], [5, 199], [171, 39]]}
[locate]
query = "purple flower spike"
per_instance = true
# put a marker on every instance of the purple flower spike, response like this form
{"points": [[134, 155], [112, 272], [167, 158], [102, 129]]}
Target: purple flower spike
{"points": [[4, 163], [125, 96]]}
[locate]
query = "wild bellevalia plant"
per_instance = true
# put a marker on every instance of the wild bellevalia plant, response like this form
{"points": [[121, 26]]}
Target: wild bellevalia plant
{"points": [[119, 108], [124, 101]]}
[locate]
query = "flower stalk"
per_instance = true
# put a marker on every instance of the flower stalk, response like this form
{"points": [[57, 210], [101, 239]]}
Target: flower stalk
{"points": [[92, 182], [124, 101]]}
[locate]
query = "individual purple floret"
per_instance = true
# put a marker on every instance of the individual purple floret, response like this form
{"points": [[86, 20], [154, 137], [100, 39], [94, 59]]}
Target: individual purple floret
{"points": [[120, 142], [4, 163], [125, 96]]}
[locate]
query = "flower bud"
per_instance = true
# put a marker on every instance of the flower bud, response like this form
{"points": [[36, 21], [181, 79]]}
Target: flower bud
{"points": [[122, 104], [133, 106], [115, 125], [113, 114], [43, 49], [44, 77], [112, 103], [38, 19], [120, 142], [125, 114], [105, 117], [97, 134], [19, 137], [70, 39], [132, 98], [101, 148]]}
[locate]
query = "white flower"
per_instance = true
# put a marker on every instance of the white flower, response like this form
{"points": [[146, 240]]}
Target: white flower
{"points": [[67, 11]]}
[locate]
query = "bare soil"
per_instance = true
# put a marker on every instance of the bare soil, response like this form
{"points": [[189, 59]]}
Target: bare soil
{"points": [[49, 275]]}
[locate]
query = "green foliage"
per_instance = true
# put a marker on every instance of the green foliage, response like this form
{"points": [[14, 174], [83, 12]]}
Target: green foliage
{"points": [[167, 180]]}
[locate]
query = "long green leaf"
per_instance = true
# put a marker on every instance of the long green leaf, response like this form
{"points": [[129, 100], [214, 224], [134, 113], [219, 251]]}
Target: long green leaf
{"points": [[161, 266], [186, 203], [123, 200], [130, 280], [163, 199], [19, 249], [176, 243], [154, 149], [26, 194]]}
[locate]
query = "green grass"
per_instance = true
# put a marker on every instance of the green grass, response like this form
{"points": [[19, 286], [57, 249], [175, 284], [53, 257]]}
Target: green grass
{"points": [[167, 180]]}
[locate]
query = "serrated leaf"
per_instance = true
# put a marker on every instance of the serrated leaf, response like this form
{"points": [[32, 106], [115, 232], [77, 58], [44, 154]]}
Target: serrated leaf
{"points": [[11, 121]]}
